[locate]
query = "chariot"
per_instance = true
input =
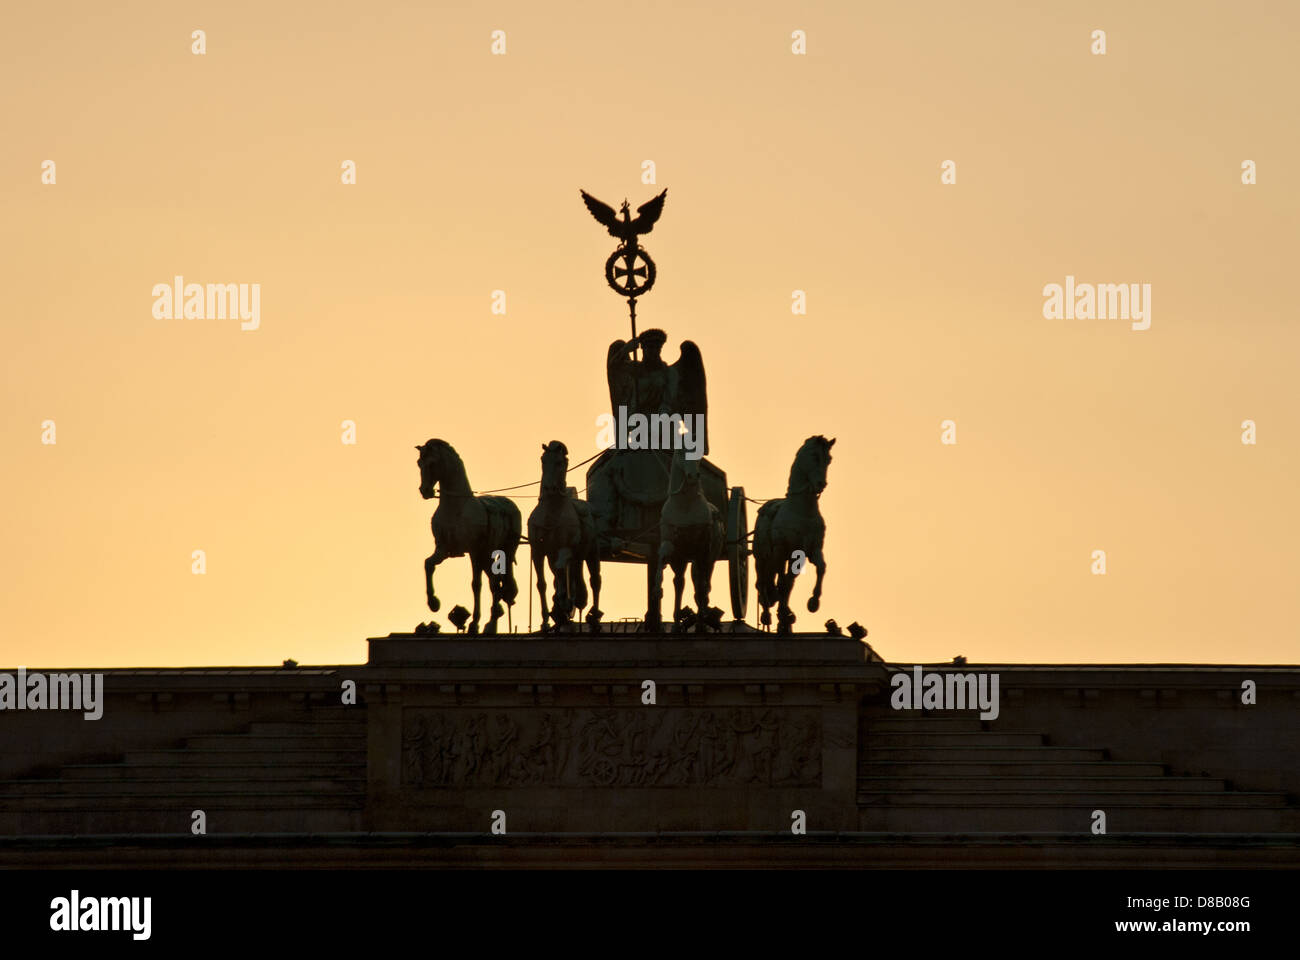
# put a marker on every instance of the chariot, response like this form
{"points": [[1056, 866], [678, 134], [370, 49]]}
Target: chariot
{"points": [[627, 489]]}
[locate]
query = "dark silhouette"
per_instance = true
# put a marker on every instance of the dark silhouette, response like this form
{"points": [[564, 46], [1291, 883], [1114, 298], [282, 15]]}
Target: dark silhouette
{"points": [[649, 386], [626, 229], [794, 523], [637, 274], [458, 616], [466, 524], [691, 530], [652, 498], [561, 532], [627, 488]]}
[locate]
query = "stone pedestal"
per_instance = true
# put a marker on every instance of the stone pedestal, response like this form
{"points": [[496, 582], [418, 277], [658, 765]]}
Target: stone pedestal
{"points": [[615, 733]]}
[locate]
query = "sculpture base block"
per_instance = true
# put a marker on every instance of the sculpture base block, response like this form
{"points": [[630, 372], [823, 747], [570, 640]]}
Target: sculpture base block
{"points": [[615, 733]]}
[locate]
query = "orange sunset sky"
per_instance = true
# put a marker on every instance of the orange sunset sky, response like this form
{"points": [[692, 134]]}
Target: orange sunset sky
{"points": [[818, 172]]}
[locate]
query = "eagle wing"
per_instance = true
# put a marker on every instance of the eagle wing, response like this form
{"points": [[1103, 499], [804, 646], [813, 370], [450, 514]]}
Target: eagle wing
{"points": [[622, 379], [603, 212], [648, 213]]}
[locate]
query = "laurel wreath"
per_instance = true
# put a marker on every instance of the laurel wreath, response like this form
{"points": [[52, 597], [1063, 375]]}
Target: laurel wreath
{"points": [[649, 273]]}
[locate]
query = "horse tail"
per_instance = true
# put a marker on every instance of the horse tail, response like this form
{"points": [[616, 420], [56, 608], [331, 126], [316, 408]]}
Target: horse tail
{"points": [[514, 529], [590, 552], [505, 527], [577, 583], [763, 526], [765, 569]]}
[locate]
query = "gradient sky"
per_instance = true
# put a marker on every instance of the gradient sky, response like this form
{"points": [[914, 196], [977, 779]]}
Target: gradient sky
{"points": [[817, 172]]}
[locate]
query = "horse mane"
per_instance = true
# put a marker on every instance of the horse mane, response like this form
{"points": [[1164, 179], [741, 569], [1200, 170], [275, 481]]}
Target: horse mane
{"points": [[443, 448], [446, 452]]}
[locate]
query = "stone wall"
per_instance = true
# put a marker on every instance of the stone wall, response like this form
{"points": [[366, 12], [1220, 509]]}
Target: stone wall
{"points": [[1190, 717], [156, 709], [554, 733]]}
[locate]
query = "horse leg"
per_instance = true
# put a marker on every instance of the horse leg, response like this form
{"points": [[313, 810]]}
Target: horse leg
{"points": [[819, 561], [763, 587], [784, 615], [478, 589], [593, 573], [429, 563], [495, 590], [702, 579], [557, 593], [679, 583], [655, 585], [563, 571], [539, 567], [577, 585]]}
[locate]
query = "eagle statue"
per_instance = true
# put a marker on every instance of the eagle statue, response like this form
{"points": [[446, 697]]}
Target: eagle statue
{"points": [[628, 228]]}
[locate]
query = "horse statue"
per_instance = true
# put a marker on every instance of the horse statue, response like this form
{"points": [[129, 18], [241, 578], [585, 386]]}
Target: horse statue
{"points": [[691, 530], [561, 531], [487, 528], [789, 525]]}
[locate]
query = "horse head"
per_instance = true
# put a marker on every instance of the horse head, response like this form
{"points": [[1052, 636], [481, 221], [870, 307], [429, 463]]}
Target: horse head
{"points": [[684, 476], [433, 457], [811, 464], [555, 467]]}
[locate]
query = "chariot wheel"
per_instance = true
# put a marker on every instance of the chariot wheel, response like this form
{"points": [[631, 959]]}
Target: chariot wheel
{"points": [[738, 552], [603, 771]]}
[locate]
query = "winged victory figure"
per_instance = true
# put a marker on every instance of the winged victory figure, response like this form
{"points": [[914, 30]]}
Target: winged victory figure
{"points": [[649, 385]]}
